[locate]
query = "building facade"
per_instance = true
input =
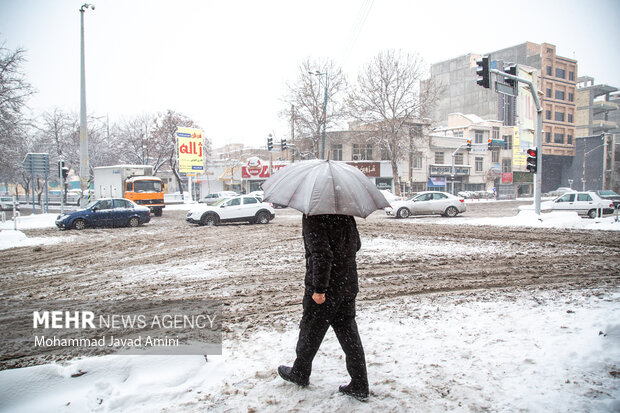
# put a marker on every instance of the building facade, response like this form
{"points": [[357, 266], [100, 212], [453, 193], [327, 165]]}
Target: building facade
{"points": [[555, 76]]}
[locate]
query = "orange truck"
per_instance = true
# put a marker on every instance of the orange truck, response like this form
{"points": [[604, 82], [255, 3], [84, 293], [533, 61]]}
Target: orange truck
{"points": [[133, 182]]}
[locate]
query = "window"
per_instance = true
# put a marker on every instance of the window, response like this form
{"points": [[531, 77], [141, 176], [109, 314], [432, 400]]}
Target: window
{"points": [[479, 136], [507, 141], [385, 155], [561, 73], [548, 115], [570, 118], [417, 161], [566, 198], [569, 139], [415, 131], [558, 138], [559, 116], [548, 137], [438, 196], [549, 70], [458, 159], [107, 204], [233, 202], [121, 203], [439, 158], [571, 76], [584, 197], [129, 187], [337, 152], [458, 133], [495, 132], [548, 93], [560, 95], [362, 152], [249, 200], [571, 97], [479, 164], [495, 156], [506, 165], [147, 186]]}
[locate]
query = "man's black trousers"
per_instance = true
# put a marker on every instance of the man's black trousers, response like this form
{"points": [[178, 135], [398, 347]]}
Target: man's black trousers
{"points": [[339, 312]]}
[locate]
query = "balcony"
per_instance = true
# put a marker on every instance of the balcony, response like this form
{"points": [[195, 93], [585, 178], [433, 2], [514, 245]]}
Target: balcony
{"points": [[603, 106], [598, 126]]}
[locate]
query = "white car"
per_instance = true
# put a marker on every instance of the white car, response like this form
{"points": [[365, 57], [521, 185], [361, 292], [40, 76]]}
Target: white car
{"points": [[236, 209], [7, 203], [428, 203], [214, 198], [584, 203]]}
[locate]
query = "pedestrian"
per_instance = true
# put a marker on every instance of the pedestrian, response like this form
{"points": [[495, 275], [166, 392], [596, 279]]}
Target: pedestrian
{"points": [[331, 285]]}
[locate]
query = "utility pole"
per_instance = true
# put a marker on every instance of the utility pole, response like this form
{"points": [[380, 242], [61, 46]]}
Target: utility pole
{"points": [[293, 132], [84, 161]]}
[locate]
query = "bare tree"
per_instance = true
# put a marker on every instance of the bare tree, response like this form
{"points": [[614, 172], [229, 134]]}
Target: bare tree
{"points": [[388, 99], [137, 144], [14, 91], [307, 97], [164, 139]]}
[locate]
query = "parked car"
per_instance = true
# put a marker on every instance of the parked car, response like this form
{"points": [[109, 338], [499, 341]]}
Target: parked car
{"points": [[257, 194], [560, 191], [584, 203], [237, 209], [216, 197], [389, 196], [610, 196], [428, 203], [7, 202], [107, 212]]}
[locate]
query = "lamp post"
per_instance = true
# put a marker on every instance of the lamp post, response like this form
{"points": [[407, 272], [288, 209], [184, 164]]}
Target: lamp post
{"points": [[317, 73], [84, 162]]}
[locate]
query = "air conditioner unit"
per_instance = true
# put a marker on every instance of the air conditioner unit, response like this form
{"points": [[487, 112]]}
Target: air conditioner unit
{"points": [[356, 157]]}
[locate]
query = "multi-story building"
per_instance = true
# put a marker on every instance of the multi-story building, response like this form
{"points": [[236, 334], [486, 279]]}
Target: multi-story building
{"points": [[557, 80]]}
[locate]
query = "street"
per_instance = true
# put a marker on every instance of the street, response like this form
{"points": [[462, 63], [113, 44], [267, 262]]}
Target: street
{"points": [[257, 270]]}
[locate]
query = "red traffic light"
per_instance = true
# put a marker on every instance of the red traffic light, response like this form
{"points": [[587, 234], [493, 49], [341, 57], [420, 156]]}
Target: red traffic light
{"points": [[533, 152]]}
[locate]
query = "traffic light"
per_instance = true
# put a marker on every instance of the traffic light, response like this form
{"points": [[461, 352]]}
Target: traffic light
{"points": [[511, 70], [269, 143], [532, 160], [469, 145], [63, 171], [490, 146], [482, 71], [283, 144]]}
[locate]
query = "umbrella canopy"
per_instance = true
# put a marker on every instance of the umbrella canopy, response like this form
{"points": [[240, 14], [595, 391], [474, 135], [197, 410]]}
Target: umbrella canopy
{"points": [[320, 187]]}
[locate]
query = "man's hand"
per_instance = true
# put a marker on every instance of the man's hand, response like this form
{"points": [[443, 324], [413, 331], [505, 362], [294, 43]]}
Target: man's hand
{"points": [[318, 298]]}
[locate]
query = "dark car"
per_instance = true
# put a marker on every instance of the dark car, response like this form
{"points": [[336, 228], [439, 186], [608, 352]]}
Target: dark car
{"points": [[610, 196], [109, 212]]}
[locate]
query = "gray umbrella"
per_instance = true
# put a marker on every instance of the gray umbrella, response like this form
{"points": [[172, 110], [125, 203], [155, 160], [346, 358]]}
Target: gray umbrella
{"points": [[324, 187]]}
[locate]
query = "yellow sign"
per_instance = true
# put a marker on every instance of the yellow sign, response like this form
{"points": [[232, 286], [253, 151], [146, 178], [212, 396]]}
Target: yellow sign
{"points": [[190, 147]]}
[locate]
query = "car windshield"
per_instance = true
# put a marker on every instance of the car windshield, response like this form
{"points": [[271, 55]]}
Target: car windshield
{"points": [[90, 205], [221, 201], [147, 186], [608, 193]]}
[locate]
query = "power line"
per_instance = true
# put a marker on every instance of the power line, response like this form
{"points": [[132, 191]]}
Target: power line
{"points": [[356, 29]]}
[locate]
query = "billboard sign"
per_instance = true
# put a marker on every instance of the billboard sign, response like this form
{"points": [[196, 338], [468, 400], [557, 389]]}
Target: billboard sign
{"points": [[190, 148]]}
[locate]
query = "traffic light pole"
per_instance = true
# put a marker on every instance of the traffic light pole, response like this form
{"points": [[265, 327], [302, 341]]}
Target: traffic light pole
{"points": [[539, 110]]}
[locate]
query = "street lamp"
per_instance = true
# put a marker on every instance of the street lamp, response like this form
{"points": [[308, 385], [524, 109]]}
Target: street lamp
{"points": [[317, 73], [84, 163]]}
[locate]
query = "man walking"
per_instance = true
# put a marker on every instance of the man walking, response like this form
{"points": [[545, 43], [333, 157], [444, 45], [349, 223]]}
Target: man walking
{"points": [[331, 243]]}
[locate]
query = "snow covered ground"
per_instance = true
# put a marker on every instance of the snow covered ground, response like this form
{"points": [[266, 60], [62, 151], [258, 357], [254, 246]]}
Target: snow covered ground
{"points": [[546, 351]]}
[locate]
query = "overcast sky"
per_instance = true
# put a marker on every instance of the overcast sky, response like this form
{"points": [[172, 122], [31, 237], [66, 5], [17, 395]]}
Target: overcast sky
{"points": [[226, 63]]}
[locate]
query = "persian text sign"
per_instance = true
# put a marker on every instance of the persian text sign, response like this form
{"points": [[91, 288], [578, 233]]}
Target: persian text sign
{"points": [[368, 168], [190, 144]]}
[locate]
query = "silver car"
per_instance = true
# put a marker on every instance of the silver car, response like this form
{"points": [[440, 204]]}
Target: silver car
{"points": [[584, 203], [428, 203]]}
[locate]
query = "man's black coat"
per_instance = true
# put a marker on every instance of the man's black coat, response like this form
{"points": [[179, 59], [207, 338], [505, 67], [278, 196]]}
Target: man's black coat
{"points": [[331, 242]]}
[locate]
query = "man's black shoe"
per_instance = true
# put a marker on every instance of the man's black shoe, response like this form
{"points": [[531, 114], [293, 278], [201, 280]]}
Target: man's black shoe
{"points": [[361, 395], [286, 374]]}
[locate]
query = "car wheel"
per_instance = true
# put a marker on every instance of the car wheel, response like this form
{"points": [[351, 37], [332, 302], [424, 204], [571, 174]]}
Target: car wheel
{"points": [[134, 222], [209, 220], [451, 211], [158, 212], [592, 213], [402, 213], [79, 224], [262, 218]]}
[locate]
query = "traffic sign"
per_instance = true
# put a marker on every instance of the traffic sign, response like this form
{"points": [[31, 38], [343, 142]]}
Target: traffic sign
{"points": [[505, 89]]}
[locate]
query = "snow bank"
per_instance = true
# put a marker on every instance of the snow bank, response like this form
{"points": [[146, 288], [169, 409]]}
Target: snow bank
{"points": [[31, 222], [478, 351], [11, 239], [555, 219]]}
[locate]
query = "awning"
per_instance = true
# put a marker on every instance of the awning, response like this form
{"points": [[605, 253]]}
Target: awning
{"points": [[228, 174]]}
